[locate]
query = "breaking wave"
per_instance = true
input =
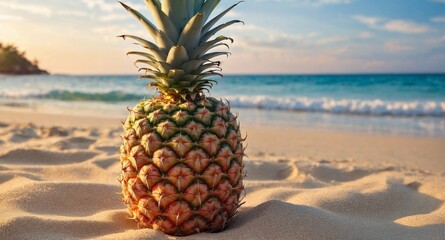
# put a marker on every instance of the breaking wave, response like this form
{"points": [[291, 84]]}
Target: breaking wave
{"points": [[63, 95], [328, 105], [345, 106]]}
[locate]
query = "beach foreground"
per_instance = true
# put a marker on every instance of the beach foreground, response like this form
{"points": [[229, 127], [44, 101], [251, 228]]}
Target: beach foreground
{"points": [[58, 181]]}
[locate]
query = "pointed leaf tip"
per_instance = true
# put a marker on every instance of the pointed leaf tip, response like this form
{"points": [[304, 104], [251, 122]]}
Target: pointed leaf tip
{"points": [[211, 23], [124, 5]]}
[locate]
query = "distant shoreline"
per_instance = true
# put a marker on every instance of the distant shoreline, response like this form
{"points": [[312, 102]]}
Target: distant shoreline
{"points": [[42, 72], [14, 62], [254, 74]]}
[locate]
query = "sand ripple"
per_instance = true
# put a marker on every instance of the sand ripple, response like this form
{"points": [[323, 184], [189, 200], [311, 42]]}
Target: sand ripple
{"points": [[58, 183]]}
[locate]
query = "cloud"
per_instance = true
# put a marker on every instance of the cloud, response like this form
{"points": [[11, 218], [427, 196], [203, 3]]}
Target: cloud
{"points": [[333, 39], [324, 2], [30, 8], [114, 17], [110, 32], [438, 19], [394, 46], [370, 21], [71, 13], [400, 26], [233, 14], [41, 10], [291, 41], [111, 11], [366, 35], [439, 40], [248, 27], [273, 41], [10, 18], [265, 38], [101, 4], [405, 27], [107, 6], [310, 2]]}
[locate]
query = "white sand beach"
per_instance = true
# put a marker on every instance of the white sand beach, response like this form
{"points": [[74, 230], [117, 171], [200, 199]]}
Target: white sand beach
{"points": [[58, 180]]}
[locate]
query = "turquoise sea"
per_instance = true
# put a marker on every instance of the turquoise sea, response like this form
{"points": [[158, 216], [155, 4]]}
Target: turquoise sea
{"points": [[397, 104]]}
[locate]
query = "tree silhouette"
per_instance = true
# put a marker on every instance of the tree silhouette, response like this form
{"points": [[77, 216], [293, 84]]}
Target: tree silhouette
{"points": [[12, 61]]}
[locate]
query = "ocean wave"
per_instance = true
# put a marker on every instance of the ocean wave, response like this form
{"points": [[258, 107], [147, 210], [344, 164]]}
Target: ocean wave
{"points": [[329, 105], [64, 95], [345, 106]]}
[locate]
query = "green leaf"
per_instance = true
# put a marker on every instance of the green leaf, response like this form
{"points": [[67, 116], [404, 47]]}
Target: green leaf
{"points": [[212, 32], [158, 4], [212, 22], [176, 73], [166, 81], [176, 10], [152, 77], [205, 47], [190, 8], [189, 78], [140, 40], [149, 70], [209, 74], [147, 62], [158, 55], [164, 42], [192, 65], [161, 38], [143, 54], [208, 7], [177, 56], [209, 56], [153, 48], [191, 34], [212, 65], [163, 21], [145, 22], [162, 66], [198, 5]]}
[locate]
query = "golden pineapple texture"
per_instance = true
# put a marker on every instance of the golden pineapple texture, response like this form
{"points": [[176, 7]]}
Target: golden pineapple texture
{"points": [[182, 165], [181, 154]]}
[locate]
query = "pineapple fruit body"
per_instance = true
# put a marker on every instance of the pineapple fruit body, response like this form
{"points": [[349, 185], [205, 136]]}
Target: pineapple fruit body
{"points": [[182, 165], [181, 154]]}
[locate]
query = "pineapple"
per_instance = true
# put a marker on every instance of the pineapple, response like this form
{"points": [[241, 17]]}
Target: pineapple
{"points": [[182, 151]]}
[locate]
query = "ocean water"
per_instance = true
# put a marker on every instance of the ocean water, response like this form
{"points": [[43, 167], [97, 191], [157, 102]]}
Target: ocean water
{"points": [[398, 104]]}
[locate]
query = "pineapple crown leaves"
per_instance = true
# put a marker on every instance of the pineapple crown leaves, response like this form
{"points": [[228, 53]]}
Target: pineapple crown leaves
{"points": [[179, 59]]}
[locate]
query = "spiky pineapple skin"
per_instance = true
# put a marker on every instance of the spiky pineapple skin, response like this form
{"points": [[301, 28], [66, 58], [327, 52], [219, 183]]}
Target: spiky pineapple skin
{"points": [[182, 165]]}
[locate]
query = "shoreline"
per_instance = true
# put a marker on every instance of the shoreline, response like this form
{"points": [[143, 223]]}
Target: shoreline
{"points": [[424, 153], [268, 118], [60, 183]]}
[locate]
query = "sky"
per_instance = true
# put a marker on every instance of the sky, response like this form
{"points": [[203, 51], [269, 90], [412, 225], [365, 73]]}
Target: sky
{"points": [[278, 37]]}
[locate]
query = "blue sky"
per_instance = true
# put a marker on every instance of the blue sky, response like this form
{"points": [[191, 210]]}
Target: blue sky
{"points": [[279, 36]]}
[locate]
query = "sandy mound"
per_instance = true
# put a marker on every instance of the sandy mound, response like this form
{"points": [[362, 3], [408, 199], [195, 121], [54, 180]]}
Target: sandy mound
{"points": [[60, 183]]}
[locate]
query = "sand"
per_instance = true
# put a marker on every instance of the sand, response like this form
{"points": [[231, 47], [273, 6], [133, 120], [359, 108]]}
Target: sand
{"points": [[58, 181]]}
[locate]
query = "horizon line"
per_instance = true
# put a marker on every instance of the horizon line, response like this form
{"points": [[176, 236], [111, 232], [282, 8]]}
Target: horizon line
{"points": [[266, 74]]}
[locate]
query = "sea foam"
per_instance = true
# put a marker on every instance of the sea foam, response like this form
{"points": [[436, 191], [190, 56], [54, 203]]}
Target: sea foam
{"points": [[346, 106], [374, 107]]}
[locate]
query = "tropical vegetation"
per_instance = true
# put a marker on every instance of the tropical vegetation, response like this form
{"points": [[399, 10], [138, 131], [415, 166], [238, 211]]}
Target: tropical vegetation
{"points": [[13, 61]]}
